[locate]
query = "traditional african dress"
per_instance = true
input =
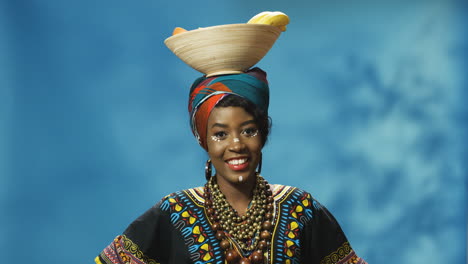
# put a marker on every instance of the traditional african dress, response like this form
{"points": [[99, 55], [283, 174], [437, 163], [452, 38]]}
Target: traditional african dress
{"points": [[177, 230]]}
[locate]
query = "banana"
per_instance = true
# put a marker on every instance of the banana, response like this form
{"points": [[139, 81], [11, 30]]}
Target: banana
{"points": [[257, 17], [278, 19]]}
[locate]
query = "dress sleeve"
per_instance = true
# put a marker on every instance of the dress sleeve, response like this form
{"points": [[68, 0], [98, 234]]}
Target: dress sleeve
{"points": [[324, 242], [150, 239]]}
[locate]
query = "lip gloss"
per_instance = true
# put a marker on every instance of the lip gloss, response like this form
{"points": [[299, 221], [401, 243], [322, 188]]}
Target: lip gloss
{"points": [[238, 167]]}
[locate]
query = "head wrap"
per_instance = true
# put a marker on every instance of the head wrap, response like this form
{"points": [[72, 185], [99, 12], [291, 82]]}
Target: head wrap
{"points": [[205, 93]]}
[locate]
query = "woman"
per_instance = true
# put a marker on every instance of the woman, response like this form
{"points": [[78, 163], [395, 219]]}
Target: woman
{"points": [[237, 217]]}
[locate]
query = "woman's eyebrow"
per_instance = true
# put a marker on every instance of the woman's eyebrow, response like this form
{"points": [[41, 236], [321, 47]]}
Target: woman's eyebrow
{"points": [[248, 122], [219, 125]]}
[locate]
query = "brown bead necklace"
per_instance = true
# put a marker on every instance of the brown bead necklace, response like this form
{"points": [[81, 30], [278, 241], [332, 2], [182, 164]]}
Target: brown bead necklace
{"points": [[251, 232]]}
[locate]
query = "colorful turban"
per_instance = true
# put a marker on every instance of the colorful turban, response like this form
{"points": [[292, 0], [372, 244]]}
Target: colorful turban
{"points": [[205, 93]]}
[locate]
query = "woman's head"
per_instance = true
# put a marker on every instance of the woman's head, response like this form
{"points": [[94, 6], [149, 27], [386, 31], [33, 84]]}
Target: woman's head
{"points": [[236, 133], [234, 144], [248, 90]]}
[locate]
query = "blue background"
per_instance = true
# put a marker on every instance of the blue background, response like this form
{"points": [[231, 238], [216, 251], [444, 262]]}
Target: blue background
{"points": [[367, 101]]}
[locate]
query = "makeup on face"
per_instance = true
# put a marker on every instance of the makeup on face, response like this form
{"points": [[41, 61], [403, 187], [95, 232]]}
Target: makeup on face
{"points": [[234, 144]]}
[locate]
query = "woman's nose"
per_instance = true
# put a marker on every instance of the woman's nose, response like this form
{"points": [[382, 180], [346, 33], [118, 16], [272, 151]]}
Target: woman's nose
{"points": [[236, 145]]}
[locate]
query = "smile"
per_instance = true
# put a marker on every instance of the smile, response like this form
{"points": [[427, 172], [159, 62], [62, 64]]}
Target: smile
{"points": [[238, 164], [237, 161]]}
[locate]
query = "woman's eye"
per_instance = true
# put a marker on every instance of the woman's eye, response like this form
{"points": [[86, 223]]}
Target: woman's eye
{"points": [[250, 132], [218, 136]]}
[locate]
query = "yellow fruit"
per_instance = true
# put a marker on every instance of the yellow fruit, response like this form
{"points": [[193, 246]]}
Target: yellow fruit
{"points": [[257, 17], [278, 19]]}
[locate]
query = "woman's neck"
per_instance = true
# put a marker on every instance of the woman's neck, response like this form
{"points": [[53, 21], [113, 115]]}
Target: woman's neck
{"points": [[238, 195]]}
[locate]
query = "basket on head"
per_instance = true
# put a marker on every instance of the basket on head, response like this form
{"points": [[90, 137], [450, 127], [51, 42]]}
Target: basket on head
{"points": [[224, 49]]}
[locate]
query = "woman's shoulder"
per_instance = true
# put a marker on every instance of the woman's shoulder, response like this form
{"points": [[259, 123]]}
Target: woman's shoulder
{"points": [[182, 198], [280, 192], [294, 197]]}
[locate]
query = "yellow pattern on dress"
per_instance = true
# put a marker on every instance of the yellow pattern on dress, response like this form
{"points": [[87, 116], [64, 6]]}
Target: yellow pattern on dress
{"points": [[339, 254]]}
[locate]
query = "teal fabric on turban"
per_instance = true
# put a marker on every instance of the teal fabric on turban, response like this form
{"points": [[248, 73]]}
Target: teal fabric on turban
{"points": [[205, 93]]}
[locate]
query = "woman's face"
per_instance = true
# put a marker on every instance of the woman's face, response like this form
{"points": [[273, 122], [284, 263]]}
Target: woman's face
{"points": [[234, 144]]}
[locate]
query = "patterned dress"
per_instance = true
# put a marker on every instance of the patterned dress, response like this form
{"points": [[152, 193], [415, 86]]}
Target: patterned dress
{"points": [[177, 230]]}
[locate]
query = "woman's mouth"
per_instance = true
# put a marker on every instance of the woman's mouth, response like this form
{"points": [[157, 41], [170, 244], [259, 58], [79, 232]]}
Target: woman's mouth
{"points": [[238, 164]]}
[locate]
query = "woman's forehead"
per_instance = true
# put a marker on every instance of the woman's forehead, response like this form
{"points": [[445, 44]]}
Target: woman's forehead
{"points": [[229, 115]]}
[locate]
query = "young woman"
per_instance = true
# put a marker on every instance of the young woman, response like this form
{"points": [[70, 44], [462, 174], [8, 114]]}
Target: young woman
{"points": [[237, 217]]}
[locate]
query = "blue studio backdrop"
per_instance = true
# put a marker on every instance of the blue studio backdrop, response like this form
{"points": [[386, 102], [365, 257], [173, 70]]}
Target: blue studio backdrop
{"points": [[367, 101]]}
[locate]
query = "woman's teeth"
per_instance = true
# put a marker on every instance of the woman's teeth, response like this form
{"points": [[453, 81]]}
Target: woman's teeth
{"points": [[237, 161]]}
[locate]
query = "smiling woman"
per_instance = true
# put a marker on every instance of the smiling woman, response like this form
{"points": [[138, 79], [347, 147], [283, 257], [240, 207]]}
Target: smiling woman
{"points": [[237, 217]]}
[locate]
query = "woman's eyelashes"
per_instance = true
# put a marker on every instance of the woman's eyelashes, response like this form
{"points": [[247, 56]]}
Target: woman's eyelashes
{"points": [[250, 132], [218, 136], [222, 135]]}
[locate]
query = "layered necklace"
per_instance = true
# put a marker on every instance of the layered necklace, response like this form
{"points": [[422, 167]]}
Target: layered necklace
{"points": [[251, 232]]}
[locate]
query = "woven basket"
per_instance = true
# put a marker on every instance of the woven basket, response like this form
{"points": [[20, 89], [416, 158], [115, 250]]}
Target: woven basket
{"points": [[224, 49]]}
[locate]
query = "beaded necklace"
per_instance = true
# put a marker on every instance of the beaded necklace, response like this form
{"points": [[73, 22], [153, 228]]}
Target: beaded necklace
{"points": [[251, 232]]}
